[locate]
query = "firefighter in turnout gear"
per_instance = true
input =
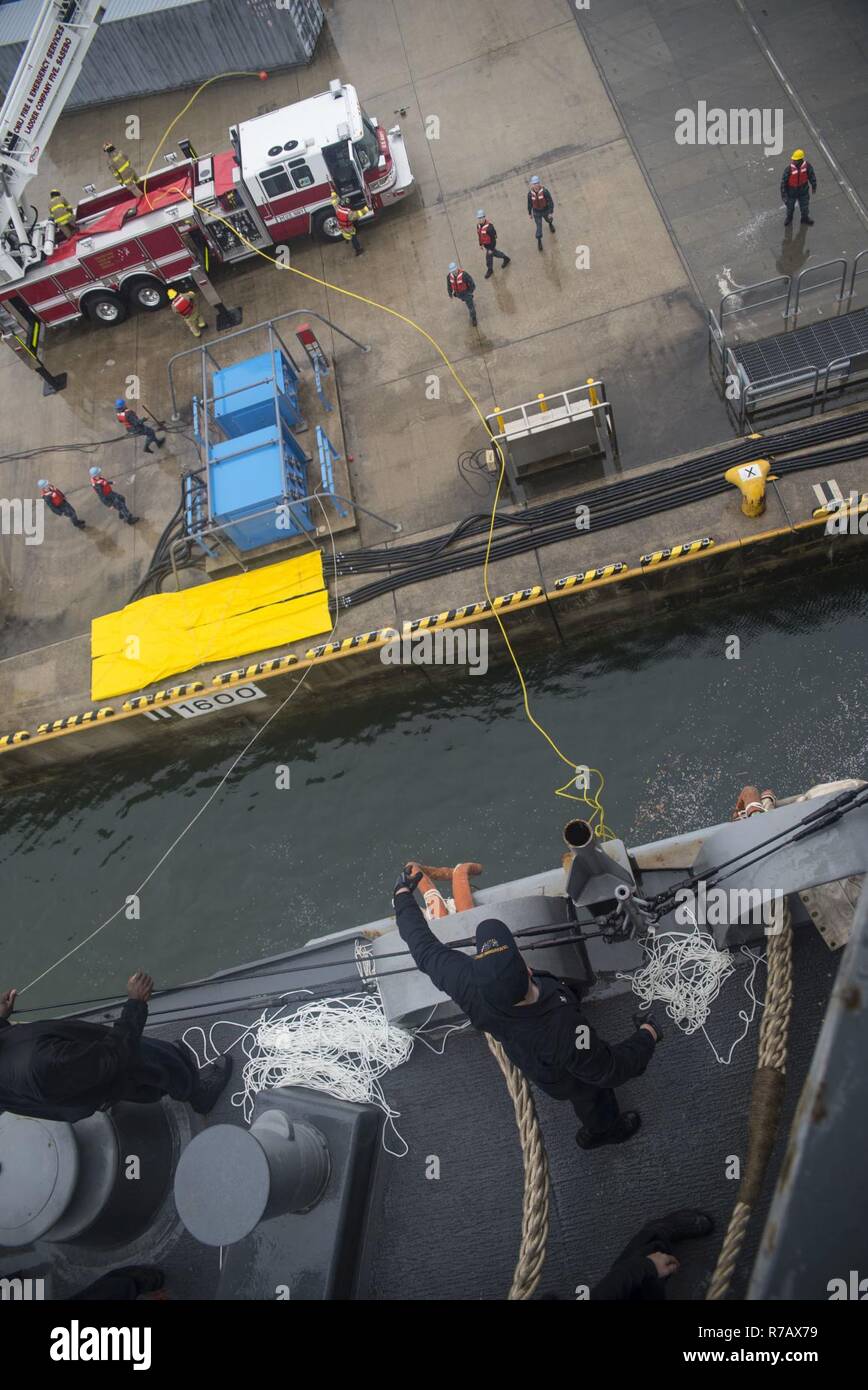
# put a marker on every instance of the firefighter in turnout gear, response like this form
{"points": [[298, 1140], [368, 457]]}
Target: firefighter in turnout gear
{"points": [[540, 206], [461, 285], [796, 185], [347, 217], [62, 215], [184, 305], [105, 491], [121, 167], [56, 502], [487, 234], [134, 425]]}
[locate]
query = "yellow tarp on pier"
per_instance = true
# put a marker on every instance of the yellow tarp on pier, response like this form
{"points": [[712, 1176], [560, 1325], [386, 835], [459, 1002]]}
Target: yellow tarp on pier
{"points": [[166, 634]]}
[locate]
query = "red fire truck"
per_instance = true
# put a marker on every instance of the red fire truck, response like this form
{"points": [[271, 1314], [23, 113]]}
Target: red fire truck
{"points": [[129, 244]]}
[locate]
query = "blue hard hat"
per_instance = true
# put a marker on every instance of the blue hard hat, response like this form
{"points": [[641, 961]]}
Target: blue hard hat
{"points": [[43, 482], [453, 265], [120, 403], [535, 178], [480, 215], [94, 472]]}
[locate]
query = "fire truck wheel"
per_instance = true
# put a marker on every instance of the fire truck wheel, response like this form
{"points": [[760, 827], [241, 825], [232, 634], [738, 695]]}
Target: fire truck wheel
{"points": [[146, 293], [325, 225], [104, 307]]}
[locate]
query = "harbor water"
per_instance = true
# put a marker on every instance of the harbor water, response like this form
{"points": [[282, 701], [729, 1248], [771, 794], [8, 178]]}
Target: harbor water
{"points": [[676, 725]]}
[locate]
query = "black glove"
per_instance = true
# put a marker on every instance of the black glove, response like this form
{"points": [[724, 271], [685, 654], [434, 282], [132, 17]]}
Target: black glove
{"points": [[407, 880], [639, 1019]]}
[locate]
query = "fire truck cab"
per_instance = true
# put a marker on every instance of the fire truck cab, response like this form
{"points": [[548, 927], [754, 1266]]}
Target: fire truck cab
{"points": [[288, 161]]}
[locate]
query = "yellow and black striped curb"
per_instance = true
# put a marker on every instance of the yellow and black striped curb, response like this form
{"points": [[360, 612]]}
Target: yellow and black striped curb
{"points": [[328, 651], [572, 581], [73, 721], [673, 552]]}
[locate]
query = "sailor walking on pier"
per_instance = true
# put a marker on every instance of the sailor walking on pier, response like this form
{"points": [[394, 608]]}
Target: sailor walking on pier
{"points": [[536, 1017], [105, 491]]}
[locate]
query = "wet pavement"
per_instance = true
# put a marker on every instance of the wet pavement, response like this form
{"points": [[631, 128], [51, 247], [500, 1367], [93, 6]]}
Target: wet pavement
{"points": [[509, 89]]}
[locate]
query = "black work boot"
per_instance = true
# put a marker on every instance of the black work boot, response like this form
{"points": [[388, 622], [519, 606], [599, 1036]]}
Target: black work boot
{"points": [[623, 1129], [788, 222], [551, 226], [488, 274], [147, 1278], [686, 1224], [507, 261], [79, 525], [210, 1084], [161, 442], [808, 221], [539, 243], [148, 449]]}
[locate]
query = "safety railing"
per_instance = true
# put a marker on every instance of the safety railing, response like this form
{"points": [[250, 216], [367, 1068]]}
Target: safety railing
{"points": [[800, 287], [239, 332], [559, 410], [779, 391], [858, 270], [742, 302], [842, 371]]}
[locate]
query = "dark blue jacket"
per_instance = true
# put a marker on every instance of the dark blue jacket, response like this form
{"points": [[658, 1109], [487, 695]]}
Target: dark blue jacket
{"points": [[66, 1068], [541, 1038]]}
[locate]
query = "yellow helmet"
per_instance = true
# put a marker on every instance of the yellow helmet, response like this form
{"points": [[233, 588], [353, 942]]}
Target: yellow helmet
{"points": [[172, 294], [798, 155]]}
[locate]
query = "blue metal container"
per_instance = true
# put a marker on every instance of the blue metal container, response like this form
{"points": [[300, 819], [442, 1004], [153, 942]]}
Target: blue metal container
{"points": [[262, 471], [250, 395]]}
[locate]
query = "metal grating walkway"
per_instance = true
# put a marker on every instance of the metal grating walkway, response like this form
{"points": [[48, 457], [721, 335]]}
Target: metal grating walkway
{"points": [[804, 348]]}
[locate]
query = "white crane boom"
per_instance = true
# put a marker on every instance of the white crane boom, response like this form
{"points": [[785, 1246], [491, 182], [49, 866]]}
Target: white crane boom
{"points": [[46, 75]]}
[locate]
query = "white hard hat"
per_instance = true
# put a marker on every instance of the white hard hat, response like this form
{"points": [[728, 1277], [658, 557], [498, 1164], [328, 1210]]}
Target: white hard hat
{"points": [[535, 178], [480, 214], [453, 265]]}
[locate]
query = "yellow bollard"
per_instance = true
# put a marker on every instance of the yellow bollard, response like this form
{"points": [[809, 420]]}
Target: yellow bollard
{"points": [[750, 479], [592, 393], [541, 397], [500, 421]]}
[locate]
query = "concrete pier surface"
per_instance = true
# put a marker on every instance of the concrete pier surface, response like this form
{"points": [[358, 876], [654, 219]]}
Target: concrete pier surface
{"points": [[487, 94]]}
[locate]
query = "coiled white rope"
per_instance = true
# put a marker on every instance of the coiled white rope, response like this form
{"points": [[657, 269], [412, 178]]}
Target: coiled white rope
{"points": [[341, 1046], [686, 972]]}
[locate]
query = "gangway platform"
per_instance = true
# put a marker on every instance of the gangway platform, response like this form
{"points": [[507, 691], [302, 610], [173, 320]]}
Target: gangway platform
{"points": [[801, 366]]}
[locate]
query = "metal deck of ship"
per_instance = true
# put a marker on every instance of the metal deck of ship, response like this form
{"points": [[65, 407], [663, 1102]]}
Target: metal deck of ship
{"points": [[458, 1236]]}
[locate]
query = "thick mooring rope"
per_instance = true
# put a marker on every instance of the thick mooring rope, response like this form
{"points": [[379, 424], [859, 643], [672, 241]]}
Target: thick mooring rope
{"points": [[535, 1205], [766, 1097]]}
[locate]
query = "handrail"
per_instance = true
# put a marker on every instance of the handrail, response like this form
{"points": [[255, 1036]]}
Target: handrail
{"points": [[854, 275], [204, 350], [821, 284], [760, 285]]}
